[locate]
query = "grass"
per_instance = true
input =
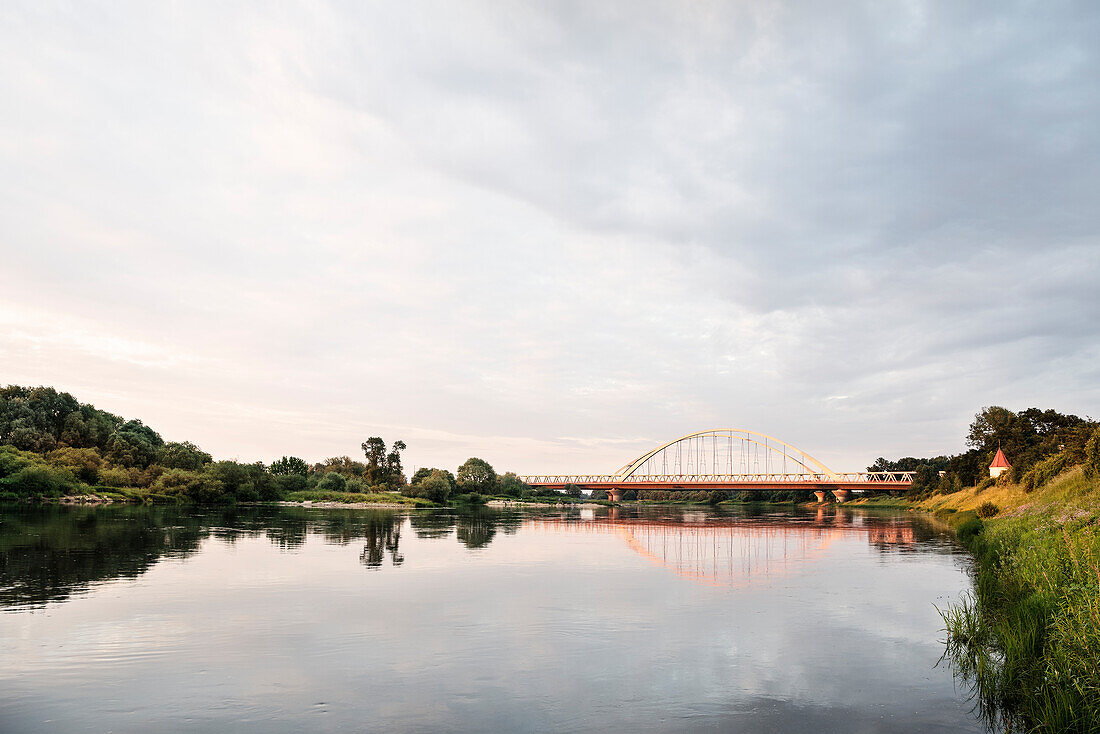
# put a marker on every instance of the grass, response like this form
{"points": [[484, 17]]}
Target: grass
{"points": [[1028, 638], [313, 495]]}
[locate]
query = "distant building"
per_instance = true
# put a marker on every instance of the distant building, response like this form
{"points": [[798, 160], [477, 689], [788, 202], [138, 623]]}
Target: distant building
{"points": [[999, 465]]}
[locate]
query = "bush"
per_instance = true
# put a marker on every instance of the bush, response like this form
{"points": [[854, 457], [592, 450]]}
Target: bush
{"points": [[290, 482], [1092, 456], [333, 482], [436, 487], [40, 480], [511, 486], [969, 529], [1041, 474], [12, 460], [987, 509]]}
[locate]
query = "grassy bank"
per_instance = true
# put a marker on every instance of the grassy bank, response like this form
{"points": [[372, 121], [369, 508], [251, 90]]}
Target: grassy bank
{"points": [[348, 498], [1028, 638]]}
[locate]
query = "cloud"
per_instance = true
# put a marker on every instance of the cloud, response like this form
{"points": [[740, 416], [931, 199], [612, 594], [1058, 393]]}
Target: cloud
{"points": [[617, 223]]}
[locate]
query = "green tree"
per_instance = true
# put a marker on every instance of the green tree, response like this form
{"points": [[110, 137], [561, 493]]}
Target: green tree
{"points": [[511, 485], [184, 455], [134, 444], [383, 467], [438, 487], [84, 464], [333, 482], [289, 465], [574, 491], [476, 475]]}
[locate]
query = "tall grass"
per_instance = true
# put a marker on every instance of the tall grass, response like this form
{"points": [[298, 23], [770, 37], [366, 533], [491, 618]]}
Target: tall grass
{"points": [[1028, 638], [315, 495]]}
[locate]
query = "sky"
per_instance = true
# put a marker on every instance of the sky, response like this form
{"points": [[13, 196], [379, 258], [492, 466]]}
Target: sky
{"points": [[552, 235]]}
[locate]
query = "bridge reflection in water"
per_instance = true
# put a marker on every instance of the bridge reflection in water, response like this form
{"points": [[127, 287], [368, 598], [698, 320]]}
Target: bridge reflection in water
{"points": [[735, 552]]}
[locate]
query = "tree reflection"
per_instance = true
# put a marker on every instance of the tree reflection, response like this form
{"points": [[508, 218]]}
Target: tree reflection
{"points": [[476, 527], [49, 553], [383, 534]]}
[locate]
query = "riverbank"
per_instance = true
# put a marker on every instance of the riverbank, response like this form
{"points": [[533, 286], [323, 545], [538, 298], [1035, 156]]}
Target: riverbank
{"points": [[1028, 639]]}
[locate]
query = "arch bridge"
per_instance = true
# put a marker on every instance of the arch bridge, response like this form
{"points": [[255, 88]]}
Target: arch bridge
{"points": [[727, 459]]}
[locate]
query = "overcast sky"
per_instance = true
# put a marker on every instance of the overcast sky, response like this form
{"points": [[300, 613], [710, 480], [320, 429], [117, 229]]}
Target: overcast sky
{"points": [[552, 234]]}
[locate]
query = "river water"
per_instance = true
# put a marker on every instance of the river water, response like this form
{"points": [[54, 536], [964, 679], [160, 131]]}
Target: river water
{"points": [[137, 619]]}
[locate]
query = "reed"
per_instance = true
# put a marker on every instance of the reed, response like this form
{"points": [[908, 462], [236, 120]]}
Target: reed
{"points": [[1027, 640]]}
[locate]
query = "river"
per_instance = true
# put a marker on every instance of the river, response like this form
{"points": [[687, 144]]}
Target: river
{"points": [[287, 619]]}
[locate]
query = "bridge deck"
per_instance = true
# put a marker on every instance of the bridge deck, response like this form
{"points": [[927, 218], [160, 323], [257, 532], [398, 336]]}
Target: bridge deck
{"points": [[733, 482]]}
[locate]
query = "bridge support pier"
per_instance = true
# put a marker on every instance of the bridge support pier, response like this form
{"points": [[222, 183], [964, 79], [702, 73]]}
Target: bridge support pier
{"points": [[841, 495], [615, 495], [820, 494]]}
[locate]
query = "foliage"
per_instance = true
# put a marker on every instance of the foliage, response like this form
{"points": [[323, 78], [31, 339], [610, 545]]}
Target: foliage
{"points": [[289, 465], [184, 455], [1029, 637], [85, 464], [1027, 438], [511, 486], [573, 490], [389, 498], [476, 475], [1050, 467], [987, 509], [333, 482], [437, 486], [383, 467], [1092, 456]]}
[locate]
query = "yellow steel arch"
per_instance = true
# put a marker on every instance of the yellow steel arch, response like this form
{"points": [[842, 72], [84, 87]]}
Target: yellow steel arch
{"points": [[816, 468]]}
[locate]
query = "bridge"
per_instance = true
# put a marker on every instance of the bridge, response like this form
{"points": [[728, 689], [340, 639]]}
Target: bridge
{"points": [[730, 459]]}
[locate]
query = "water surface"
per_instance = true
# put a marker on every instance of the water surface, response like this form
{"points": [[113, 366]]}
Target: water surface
{"points": [[132, 619]]}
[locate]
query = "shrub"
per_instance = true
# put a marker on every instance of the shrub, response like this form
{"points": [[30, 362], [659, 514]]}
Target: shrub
{"points": [[437, 487], [987, 509], [12, 460], [1041, 474], [290, 482], [1092, 456], [83, 463], [333, 482], [969, 529], [41, 481], [511, 486]]}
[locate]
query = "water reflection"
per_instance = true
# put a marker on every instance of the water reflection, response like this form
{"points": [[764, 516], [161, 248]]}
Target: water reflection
{"points": [[267, 619], [47, 554]]}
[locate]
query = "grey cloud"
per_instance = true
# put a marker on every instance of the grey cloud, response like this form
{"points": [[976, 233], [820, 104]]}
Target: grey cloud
{"points": [[617, 222]]}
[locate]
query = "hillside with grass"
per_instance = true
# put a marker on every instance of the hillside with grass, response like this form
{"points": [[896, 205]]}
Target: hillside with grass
{"points": [[1028, 638]]}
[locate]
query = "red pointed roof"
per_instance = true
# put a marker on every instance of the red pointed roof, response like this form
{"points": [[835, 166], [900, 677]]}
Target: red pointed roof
{"points": [[999, 461]]}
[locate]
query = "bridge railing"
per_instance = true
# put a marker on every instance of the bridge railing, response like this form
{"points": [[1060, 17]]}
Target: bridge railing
{"points": [[847, 478]]}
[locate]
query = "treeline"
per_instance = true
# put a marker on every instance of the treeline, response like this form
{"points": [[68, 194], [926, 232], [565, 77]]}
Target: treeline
{"points": [[474, 480], [1039, 444], [51, 446]]}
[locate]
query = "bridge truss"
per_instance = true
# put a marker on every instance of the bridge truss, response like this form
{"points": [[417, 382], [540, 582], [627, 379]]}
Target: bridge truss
{"points": [[726, 458]]}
